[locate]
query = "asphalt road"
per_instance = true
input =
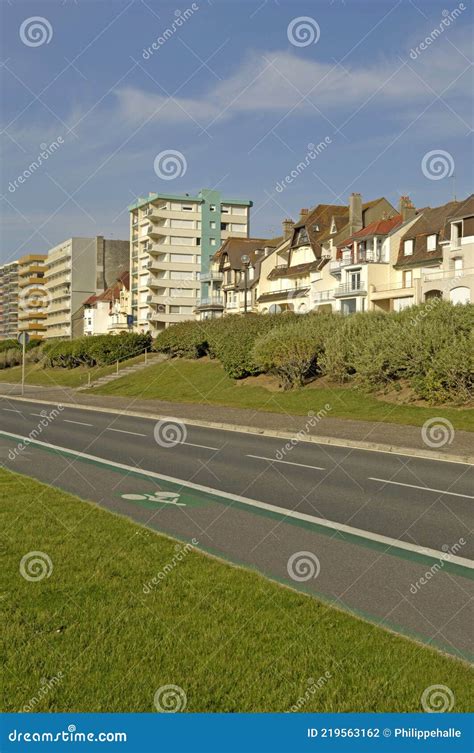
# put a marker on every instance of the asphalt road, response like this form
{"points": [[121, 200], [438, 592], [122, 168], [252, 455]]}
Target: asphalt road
{"points": [[378, 522]]}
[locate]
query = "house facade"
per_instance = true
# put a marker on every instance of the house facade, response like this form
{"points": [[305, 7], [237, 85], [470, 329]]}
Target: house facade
{"points": [[107, 312]]}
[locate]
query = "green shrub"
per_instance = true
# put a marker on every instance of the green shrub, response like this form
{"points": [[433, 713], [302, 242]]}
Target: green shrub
{"points": [[99, 350]]}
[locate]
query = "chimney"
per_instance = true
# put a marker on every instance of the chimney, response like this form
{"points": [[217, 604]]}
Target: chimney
{"points": [[355, 213], [287, 226], [406, 208], [304, 213]]}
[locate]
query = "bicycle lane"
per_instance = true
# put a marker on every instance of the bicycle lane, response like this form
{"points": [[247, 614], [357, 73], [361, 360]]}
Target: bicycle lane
{"points": [[395, 587]]}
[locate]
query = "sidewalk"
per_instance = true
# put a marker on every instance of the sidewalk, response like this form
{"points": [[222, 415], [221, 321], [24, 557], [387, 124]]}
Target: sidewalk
{"points": [[383, 436]]}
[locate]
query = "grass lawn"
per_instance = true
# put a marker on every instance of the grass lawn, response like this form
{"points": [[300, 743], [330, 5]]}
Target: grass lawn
{"points": [[205, 381], [36, 374], [232, 640]]}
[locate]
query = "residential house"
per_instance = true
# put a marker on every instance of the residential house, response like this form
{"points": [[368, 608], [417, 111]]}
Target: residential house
{"points": [[435, 255], [234, 277], [352, 252], [107, 312]]}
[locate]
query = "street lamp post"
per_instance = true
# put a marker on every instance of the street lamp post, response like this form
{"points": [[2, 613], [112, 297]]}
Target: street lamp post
{"points": [[245, 261]]}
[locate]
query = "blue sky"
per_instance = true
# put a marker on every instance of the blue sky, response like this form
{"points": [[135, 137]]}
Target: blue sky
{"points": [[239, 95]]}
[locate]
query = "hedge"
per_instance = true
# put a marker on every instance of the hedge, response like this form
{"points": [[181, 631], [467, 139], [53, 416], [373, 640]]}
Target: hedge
{"points": [[429, 347], [98, 350]]}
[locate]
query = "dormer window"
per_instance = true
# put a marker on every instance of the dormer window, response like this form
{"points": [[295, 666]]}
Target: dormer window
{"points": [[456, 234], [333, 228], [431, 242], [408, 248], [301, 237]]}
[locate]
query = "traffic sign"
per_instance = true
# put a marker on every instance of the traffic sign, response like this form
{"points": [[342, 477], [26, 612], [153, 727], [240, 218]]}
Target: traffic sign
{"points": [[23, 338]]}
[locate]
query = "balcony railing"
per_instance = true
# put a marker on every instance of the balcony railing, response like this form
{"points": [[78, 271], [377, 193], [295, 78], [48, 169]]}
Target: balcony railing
{"points": [[323, 295], [446, 275], [216, 301], [351, 288], [211, 276]]}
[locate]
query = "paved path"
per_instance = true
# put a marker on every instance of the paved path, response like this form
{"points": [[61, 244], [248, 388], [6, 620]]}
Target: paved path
{"points": [[391, 435], [391, 535]]}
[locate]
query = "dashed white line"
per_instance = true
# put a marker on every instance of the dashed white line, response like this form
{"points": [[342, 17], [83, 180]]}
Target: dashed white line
{"points": [[423, 488], [81, 423], [122, 431], [204, 446], [12, 410], [287, 462]]}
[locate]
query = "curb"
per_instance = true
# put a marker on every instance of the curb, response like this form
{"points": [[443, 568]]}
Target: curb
{"points": [[242, 429]]}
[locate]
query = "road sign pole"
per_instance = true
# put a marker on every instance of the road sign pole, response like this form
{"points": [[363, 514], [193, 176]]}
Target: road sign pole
{"points": [[23, 359]]}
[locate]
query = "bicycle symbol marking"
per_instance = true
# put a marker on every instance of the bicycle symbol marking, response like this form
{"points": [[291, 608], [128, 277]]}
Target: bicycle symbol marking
{"points": [[163, 498]]}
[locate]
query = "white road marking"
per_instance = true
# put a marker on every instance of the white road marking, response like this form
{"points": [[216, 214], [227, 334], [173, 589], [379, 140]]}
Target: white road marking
{"points": [[40, 415], [204, 446], [331, 525], [81, 423], [424, 488], [122, 431], [12, 410], [287, 462]]}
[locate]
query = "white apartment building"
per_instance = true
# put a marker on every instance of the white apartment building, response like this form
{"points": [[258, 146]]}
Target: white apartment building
{"points": [[76, 269], [172, 241]]}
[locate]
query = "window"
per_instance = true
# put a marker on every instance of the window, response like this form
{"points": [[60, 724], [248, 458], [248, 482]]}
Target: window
{"points": [[408, 248], [213, 225], [458, 265], [181, 309], [213, 241], [431, 243], [182, 258], [182, 223], [177, 240], [181, 293], [408, 279], [224, 225], [181, 275], [237, 228], [187, 208], [198, 241], [301, 237], [225, 210], [212, 207], [239, 210], [456, 234]]}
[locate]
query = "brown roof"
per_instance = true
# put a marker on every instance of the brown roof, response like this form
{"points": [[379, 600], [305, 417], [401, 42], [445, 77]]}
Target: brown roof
{"points": [[431, 222], [112, 293], [297, 269], [235, 248], [465, 209]]}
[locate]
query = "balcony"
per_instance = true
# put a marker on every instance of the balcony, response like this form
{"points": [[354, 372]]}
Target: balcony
{"points": [[453, 274], [211, 276], [215, 302], [350, 289], [323, 295], [287, 294]]}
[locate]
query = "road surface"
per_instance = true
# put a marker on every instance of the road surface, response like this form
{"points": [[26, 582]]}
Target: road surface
{"points": [[390, 534]]}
